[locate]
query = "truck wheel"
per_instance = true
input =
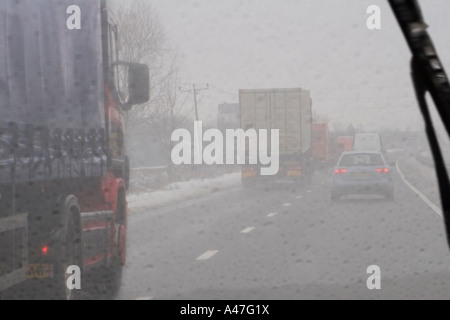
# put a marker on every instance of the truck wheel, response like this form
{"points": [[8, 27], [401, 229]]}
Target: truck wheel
{"points": [[113, 278], [127, 173], [113, 272], [67, 251]]}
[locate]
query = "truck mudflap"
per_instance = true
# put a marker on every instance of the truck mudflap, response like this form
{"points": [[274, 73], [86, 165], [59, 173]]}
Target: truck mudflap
{"points": [[98, 237], [13, 250]]}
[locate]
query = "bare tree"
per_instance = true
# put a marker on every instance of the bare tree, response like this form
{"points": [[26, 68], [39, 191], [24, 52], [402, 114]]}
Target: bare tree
{"points": [[319, 118], [338, 127], [142, 41], [171, 112]]}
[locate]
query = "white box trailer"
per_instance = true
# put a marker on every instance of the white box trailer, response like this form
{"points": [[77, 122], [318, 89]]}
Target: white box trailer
{"points": [[290, 111]]}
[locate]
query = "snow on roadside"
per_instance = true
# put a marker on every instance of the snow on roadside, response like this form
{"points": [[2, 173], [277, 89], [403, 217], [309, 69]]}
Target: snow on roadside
{"points": [[179, 191], [422, 177]]}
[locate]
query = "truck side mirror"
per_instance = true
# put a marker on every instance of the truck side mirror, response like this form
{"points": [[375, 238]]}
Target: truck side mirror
{"points": [[138, 84]]}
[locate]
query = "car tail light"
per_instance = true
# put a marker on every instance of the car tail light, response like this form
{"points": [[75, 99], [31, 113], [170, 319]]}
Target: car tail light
{"points": [[383, 170], [340, 171], [44, 250]]}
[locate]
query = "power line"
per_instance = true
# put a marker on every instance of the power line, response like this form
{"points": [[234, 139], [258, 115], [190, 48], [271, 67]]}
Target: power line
{"points": [[224, 91], [196, 90], [211, 98]]}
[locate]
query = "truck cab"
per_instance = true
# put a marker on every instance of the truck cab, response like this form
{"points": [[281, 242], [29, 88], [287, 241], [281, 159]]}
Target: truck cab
{"points": [[63, 167]]}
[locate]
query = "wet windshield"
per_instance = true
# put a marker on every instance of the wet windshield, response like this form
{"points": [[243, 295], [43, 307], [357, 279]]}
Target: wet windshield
{"points": [[225, 171]]}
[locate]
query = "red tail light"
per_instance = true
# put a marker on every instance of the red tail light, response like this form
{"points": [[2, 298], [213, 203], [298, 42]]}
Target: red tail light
{"points": [[44, 250], [340, 171], [383, 170]]}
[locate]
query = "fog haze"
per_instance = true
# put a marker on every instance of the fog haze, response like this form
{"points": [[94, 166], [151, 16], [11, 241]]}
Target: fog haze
{"points": [[355, 75]]}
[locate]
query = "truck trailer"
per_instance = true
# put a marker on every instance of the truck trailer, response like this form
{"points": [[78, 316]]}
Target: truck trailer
{"points": [[320, 144], [63, 163], [288, 110]]}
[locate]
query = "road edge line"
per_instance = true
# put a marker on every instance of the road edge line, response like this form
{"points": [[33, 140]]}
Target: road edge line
{"points": [[434, 207]]}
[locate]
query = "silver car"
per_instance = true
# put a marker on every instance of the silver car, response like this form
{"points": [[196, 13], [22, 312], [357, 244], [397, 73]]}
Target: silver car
{"points": [[362, 173]]}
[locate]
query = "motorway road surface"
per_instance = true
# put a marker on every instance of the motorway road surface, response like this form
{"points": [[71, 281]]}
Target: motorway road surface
{"points": [[290, 242]]}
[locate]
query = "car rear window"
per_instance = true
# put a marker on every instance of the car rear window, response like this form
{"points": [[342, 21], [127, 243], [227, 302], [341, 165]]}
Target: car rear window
{"points": [[362, 160]]}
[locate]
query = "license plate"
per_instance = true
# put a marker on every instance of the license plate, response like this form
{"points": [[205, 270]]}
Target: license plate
{"points": [[40, 271], [249, 174], [363, 175], [293, 173]]}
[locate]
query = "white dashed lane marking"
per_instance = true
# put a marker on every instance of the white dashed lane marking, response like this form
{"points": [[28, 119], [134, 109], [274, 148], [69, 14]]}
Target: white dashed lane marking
{"points": [[271, 215], [286, 205], [300, 197], [144, 298], [248, 230], [207, 255]]}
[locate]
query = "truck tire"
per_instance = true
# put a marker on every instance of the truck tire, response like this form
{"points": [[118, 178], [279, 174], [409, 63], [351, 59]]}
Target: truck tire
{"points": [[67, 252], [127, 173], [113, 273]]}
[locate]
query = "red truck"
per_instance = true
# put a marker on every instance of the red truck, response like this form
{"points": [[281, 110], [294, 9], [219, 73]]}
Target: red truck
{"points": [[339, 145], [63, 162], [346, 143], [320, 143]]}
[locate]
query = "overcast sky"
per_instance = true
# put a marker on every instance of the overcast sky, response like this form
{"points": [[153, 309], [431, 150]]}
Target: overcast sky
{"points": [[355, 75]]}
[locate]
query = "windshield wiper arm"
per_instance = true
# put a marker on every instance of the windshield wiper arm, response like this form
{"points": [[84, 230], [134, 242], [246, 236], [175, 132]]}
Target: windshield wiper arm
{"points": [[428, 75]]}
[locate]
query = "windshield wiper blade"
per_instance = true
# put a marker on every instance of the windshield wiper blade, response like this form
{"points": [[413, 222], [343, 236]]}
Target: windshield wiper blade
{"points": [[428, 75]]}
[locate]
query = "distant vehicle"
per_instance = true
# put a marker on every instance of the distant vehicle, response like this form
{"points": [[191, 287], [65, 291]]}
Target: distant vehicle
{"points": [[320, 143], [362, 173], [339, 145], [289, 111], [368, 142], [346, 142]]}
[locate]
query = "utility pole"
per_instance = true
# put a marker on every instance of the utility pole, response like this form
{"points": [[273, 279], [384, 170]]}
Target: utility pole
{"points": [[196, 90], [195, 101], [197, 135]]}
